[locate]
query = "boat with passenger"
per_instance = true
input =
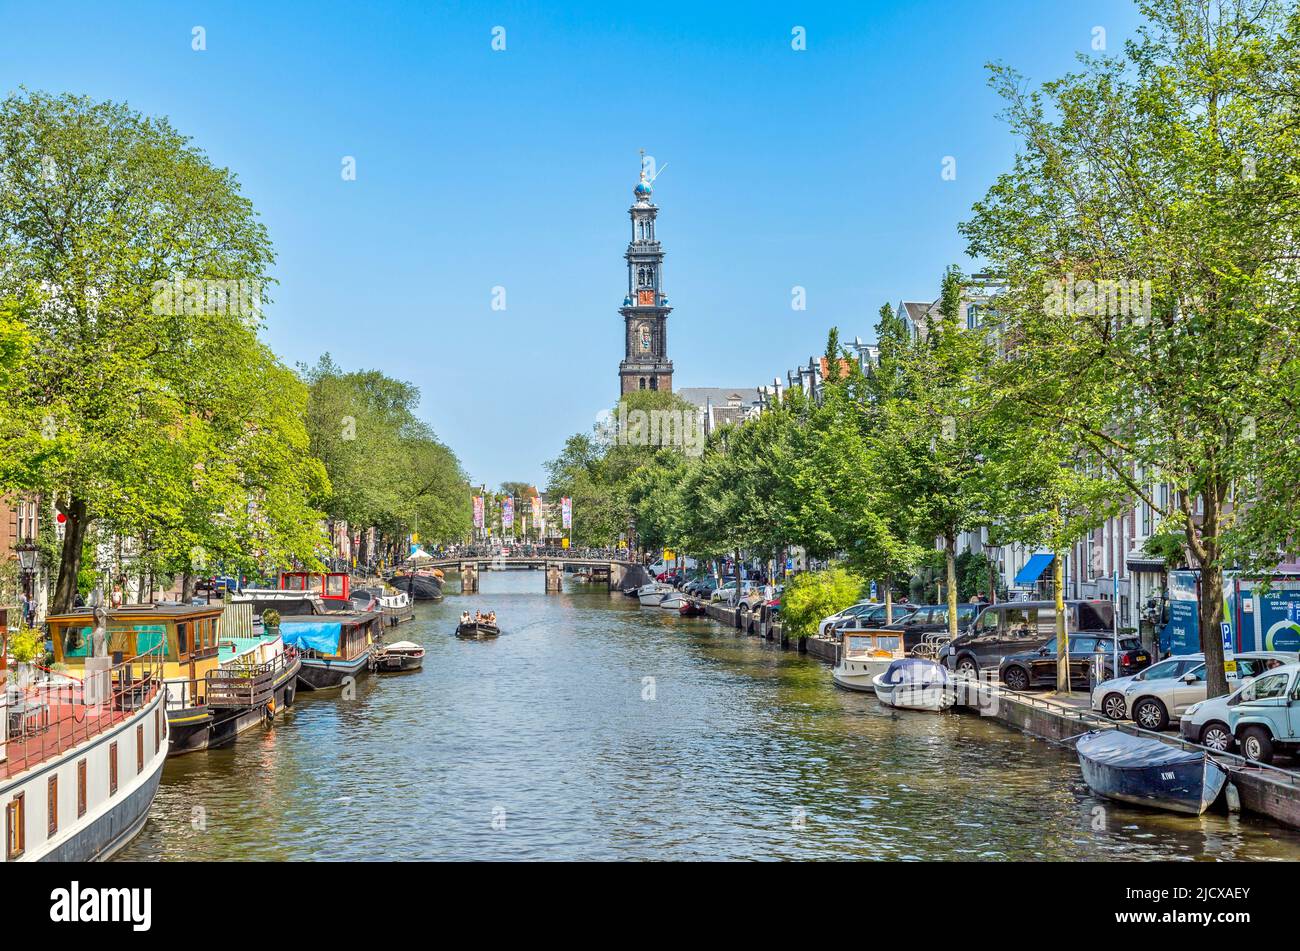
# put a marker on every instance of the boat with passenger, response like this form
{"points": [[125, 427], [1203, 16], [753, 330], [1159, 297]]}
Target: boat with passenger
{"points": [[479, 626]]}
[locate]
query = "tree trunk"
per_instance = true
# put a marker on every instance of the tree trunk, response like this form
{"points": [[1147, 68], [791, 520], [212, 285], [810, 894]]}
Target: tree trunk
{"points": [[187, 587], [1062, 639], [1210, 609], [889, 600], [950, 550], [74, 537]]}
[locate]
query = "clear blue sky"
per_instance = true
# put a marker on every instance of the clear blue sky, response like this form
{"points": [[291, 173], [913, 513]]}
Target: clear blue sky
{"points": [[478, 168]]}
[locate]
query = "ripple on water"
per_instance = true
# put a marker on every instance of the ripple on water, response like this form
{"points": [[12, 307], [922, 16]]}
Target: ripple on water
{"points": [[594, 728]]}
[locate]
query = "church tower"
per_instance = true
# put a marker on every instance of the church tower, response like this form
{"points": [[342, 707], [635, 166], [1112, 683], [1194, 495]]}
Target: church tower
{"points": [[645, 310]]}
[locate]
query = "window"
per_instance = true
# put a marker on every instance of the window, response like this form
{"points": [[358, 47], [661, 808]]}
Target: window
{"points": [[112, 768], [139, 748], [52, 803], [1086, 645], [183, 638], [1047, 622], [14, 827], [1274, 685], [81, 788]]}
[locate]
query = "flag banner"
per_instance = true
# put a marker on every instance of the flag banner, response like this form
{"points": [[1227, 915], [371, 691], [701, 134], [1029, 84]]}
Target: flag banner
{"points": [[537, 510], [566, 511], [508, 513], [478, 511]]}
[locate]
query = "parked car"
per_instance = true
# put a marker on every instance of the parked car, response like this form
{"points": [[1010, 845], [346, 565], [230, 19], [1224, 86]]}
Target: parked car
{"points": [[1153, 704], [931, 619], [1108, 696], [1038, 668], [1206, 722], [1014, 627], [864, 613], [731, 589], [1263, 716]]}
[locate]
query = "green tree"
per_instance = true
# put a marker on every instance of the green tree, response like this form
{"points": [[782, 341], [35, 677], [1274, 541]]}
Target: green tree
{"points": [[102, 212], [1145, 233]]}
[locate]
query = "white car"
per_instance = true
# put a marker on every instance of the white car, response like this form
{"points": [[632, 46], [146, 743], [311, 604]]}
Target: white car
{"points": [[1152, 704], [1108, 696]]}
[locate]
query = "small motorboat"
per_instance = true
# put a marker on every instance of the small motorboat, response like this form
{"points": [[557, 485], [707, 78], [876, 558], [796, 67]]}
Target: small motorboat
{"points": [[863, 656], [398, 657], [673, 601], [1146, 771], [916, 684], [691, 609], [477, 630], [652, 594]]}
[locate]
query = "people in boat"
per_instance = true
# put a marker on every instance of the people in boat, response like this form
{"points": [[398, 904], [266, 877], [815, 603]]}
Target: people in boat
{"points": [[492, 617], [464, 617]]}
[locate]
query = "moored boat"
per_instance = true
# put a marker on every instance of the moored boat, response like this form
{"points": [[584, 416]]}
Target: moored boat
{"points": [[333, 648], [1146, 771], [673, 601], [477, 630], [863, 656], [398, 657], [915, 684], [81, 758], [653, 593], [691, 608], [421, 585], [185, 637]]}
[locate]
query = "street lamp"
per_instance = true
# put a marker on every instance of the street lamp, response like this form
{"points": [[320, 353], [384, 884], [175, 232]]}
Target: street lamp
{"points": [[27, 558]]}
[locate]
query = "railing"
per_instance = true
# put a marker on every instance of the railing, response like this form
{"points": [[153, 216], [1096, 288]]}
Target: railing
{"points": [[46, 719], [246, 685], [1088, 718]]}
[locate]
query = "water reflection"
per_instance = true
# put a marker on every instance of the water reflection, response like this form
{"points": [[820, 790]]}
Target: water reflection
{"points": [[594, 728]]}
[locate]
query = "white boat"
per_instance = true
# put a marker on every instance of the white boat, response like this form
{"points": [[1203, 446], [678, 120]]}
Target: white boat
{"points": [[652, 594], [916, 684], [864, 655], [80, 762], [673, 601]]}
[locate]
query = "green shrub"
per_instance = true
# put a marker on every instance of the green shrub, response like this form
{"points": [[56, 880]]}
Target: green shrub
{"points": [[26, 645], [271, 619], [814, 595]]}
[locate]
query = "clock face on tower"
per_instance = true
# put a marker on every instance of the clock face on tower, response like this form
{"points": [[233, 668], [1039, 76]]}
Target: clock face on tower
{"points": [[645, 297]]}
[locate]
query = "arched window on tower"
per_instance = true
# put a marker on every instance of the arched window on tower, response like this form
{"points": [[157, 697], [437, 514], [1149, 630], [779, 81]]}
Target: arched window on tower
{"points": [[643, 383], [654, 382]]}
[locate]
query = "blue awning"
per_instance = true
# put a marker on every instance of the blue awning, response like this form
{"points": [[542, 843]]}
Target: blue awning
{"points": [[1034, 568]]}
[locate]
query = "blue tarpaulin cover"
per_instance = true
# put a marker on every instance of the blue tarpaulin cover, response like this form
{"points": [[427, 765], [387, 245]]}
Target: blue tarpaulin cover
{"points": [[1123, 751], [320, 636], [1034, 568]]}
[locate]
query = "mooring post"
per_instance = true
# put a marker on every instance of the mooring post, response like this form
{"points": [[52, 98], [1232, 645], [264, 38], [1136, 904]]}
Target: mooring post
{"points": [[469, 577]]}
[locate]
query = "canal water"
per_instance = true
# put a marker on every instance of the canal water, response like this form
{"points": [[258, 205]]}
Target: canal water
{"points": [[594, 728]]}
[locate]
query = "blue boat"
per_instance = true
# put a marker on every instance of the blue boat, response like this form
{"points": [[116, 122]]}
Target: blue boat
{"points": [[1148, 772]]}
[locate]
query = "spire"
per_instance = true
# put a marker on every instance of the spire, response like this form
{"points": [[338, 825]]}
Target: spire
{"points": [[644, 188]]}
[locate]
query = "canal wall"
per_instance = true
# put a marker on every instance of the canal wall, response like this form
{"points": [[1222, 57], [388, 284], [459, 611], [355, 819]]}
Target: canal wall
{"points": [[1264, 790]]}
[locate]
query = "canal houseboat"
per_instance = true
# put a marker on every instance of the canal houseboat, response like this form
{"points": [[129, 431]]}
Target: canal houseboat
{"points": [[218, 684], [81, 757], [332, 647]]}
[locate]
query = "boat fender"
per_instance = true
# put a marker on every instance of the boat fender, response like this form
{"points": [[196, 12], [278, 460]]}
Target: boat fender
{"points": [[1233, 797]]}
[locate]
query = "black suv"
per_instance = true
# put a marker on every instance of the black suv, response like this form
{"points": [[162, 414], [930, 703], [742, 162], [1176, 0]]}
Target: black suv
{"points": [[1037, 668], [1014, 627]]}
